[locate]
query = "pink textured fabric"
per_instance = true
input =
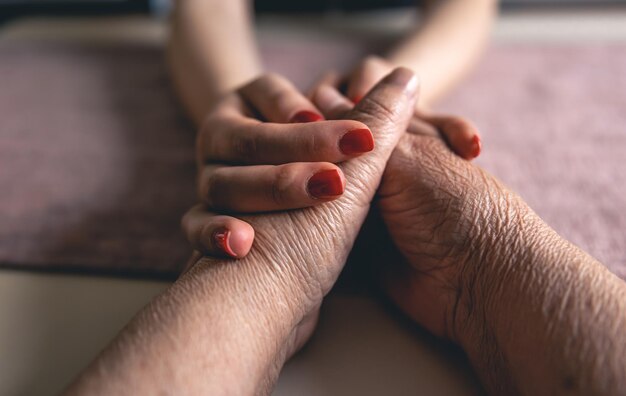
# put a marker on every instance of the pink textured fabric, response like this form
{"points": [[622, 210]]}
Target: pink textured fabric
{"points": [[96, 158], [96, 161]]}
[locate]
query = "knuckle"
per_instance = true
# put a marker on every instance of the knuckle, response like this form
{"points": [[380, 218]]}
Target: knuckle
{"points": [[309, 145], [209, 189], [372, 60], [201, 144], [262, 82], [257, 81], [266, 81], [245, 146], [372, 57], [205, 143], [184, 222], [375, 109], [281, 183], [277, 95], [454, 124], [273, 78], [368, 59], [212, 120], [277, 89], [204, 237]]}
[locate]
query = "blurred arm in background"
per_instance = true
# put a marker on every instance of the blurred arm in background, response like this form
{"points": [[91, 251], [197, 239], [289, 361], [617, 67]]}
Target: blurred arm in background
{"points": [[446, 44], [441, 50], [211, 51]]}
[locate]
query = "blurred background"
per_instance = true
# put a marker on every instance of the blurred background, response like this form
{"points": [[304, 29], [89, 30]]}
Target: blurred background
{"points": [[12, 8]]}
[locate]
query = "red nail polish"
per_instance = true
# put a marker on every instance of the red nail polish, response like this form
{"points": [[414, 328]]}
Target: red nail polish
{"points": [[476, 146], [306, 116], [325, 184], [356, 141], [357, 99], [221, 238]]}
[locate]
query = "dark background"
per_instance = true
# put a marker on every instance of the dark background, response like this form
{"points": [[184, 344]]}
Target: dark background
{"points": [[12, 8]]}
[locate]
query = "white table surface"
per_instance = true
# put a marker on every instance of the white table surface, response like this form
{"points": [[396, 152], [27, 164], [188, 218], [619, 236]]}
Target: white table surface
{"points": [[53, 325]]}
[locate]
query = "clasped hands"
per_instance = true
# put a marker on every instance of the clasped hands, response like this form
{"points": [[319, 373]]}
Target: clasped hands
{"points": [[298, 175], [457, 252]]}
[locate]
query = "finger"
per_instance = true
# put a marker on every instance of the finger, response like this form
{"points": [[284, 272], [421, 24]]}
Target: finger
{"points": [[331, 78], [277, 100], [236, 140], [217, 235], [459, 133], [386, 109], [418, 126], [364, 77], [331, 102], [266, 188]]}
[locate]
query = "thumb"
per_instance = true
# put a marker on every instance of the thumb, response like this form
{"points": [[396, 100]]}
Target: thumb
{"points": [[386, 110]]}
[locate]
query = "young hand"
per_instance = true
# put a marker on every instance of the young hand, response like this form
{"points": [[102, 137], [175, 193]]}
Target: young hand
{"points": [[264, 148]]}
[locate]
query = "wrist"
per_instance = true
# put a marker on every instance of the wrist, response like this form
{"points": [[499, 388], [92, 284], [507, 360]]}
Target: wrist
{"points": [[258, 301], [506, 241], [520, 278], [531, 289], [495, 286], [207, 334]]}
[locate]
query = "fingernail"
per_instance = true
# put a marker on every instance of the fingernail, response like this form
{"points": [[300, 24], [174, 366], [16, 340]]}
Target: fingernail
{"points": [[475, 146], [325, 184], [405, 78], [221, 238], [357, 99], [356, 141], [306, 116]]}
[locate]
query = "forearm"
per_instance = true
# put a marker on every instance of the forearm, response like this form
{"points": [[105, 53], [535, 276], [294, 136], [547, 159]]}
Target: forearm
{"points": [[211, 51], [446, 45], [223, 328], [541, 316]]}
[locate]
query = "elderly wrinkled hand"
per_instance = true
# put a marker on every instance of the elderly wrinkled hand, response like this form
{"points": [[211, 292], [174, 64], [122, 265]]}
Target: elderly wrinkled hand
{"points": [[306, 248], [257, 186]]}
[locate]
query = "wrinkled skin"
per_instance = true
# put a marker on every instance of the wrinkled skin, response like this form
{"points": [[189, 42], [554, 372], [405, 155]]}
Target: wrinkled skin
{"points": [[306, 249], [437, 215], [431, 202], [429, 214], [435, 207]]}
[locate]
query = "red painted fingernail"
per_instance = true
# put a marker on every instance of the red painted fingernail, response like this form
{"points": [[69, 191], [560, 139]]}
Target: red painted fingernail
{"points": [[306, 116], [476, 146], [325, 184], [356, 141], [357, 99], [221, 238]]}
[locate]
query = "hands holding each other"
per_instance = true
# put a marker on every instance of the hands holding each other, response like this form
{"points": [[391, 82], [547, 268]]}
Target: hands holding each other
{"points": [[469, 260], [256, 162]]}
